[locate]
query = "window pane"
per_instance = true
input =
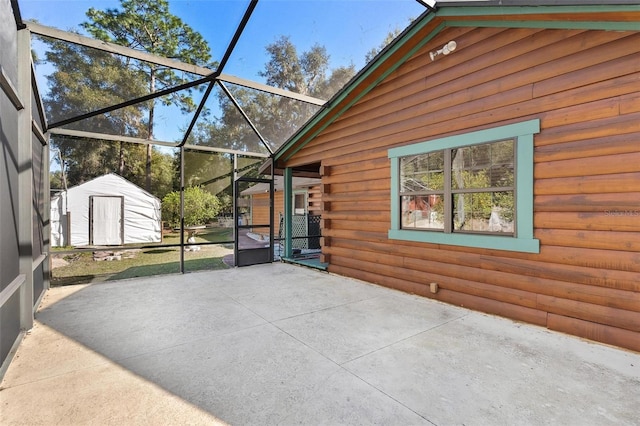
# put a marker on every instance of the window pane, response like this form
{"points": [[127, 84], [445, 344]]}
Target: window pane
{"points": [[423, 212], [462, 212], [460, 159], [299, 206], [483, 166], [502, 160], [421, 173], [502, 152], [484, 212]]}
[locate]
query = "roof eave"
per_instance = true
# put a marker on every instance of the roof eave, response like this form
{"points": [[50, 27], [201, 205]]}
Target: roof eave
{"points": [[342, 96], [502, 13]]}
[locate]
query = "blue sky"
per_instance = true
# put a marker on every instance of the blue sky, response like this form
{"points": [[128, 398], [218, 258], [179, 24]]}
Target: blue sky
{"points": [[347, 28]]}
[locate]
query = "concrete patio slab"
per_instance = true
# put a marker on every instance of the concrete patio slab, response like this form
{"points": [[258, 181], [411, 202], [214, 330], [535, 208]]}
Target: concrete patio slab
{"points": [[345, 399], [293, 292], [485, 370], [282, 344], [352, 330], [103, 394], [254, 376], [123, 322]]}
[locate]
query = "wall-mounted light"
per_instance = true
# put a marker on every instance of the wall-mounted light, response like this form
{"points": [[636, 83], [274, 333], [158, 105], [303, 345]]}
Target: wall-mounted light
{"points": [[446, 49]]}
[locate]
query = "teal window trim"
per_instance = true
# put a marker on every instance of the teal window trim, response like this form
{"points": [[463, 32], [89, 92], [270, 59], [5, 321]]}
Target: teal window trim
{"points": [[523, 241]]}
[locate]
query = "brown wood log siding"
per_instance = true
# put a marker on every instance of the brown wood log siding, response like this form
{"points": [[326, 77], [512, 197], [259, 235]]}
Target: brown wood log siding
{"points": [[584, 86], [278, 209], [260, 210], [315, 200]]}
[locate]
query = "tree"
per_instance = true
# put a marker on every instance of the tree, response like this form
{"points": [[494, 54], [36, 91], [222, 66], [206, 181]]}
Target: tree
{"points": [[200, 207], [148, 25], [162, 173], [304, 73], [85, 80], [388, 39], [276, 117], [210, 170], [56, 181]]}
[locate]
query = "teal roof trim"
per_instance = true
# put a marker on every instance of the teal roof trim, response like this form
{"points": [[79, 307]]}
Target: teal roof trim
{"points": [[488, 10], [358, 80], [552, 25], [302, 137]]}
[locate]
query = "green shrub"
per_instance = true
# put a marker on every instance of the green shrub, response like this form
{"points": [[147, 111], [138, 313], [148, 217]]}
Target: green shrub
{"points": [[200, 207]]}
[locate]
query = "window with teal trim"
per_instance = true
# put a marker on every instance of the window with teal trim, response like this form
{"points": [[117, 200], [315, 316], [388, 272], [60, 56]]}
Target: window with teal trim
{"points": [[465, 189], [474, 189]]}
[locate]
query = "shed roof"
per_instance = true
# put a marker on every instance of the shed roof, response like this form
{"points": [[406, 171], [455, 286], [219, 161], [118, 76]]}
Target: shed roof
{"points": [[112, 183]]}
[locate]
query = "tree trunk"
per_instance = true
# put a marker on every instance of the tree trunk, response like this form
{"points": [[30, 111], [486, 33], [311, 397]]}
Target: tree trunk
{"points": [[457, 168], [148, 168], [152, 89], [121, 160]]}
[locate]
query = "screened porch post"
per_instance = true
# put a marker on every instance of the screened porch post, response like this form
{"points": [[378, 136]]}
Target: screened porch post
{"points": [[46, 230], [25, 180], [182, 209], [288, 212]]}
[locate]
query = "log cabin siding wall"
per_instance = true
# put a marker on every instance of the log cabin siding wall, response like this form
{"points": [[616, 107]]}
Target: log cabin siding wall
{"points": [[584, 86], [314, 200], [260, 207]]}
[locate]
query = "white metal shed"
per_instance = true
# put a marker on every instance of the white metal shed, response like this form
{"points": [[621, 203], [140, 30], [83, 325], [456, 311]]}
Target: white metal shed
{"points": [[108, 210]]}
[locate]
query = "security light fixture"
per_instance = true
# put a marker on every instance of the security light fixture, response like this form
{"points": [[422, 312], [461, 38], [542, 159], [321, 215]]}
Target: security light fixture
{"points": [[446, 49]]}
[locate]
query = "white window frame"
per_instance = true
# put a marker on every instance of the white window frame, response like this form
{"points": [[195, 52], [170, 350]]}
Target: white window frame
{"points": [[298, 211]]}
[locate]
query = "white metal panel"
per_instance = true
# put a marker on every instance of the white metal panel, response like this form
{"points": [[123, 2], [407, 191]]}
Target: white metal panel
{"points": [[106, 220], [142, 213]]}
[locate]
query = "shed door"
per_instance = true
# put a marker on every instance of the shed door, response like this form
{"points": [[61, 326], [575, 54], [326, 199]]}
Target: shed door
{"points": [[106, 224]]}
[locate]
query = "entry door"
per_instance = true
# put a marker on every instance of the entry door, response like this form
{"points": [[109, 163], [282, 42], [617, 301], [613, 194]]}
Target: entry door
{"points": [[106, 224], [253, 218]]}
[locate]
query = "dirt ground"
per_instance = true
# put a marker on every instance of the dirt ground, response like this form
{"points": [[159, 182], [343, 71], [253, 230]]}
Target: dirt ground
{"points": [[58, 262]]}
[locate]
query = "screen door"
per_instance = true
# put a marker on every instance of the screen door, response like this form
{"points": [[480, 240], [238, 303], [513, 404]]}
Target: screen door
{"points": [[253, 217]]}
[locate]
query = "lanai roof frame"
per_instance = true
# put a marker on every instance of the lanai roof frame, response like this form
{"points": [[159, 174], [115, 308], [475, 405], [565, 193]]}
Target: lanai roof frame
{"points": [[212, 77]]}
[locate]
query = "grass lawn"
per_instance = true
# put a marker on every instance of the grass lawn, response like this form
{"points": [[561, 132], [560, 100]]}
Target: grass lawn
{"points": [[81, 268]]}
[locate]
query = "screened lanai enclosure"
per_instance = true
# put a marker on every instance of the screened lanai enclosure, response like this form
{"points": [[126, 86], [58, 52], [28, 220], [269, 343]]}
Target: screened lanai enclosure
{"points": [[204, 223], [138, 136], [194, 127]]}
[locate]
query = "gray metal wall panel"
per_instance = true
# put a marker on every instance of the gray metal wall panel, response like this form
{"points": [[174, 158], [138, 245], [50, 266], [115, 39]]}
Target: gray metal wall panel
{"points": [[9, 258], [9, 324], [9, 267], [38, 197], [38, 282], [8, 41], [34, 109]]}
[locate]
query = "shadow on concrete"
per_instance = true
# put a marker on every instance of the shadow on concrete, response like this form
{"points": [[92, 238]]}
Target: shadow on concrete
{"points": [[281, 344]]}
